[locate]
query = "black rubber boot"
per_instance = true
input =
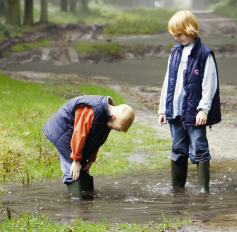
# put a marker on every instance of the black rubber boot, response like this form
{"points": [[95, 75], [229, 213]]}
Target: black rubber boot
{"points": [[203, 171], [75, 190], [87, 183], [179, 172]]}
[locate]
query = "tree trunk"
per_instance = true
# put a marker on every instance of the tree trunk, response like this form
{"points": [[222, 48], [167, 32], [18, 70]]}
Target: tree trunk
{"points": [[28, 13], [44, 11], [64, 5], [85, 5], [73, 6], [13, 12], [3, 7], [233, 3]]}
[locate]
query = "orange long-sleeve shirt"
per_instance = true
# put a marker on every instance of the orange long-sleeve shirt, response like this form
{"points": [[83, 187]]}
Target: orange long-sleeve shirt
{"points": [[84, 116]]}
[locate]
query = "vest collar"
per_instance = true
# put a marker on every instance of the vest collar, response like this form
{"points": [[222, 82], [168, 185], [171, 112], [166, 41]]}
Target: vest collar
{"points": [[195, 47], [105, 102]]}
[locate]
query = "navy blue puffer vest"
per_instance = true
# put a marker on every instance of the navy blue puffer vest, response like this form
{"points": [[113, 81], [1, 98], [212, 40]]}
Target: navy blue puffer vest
{"points": [[192, 82], [59, 128]]}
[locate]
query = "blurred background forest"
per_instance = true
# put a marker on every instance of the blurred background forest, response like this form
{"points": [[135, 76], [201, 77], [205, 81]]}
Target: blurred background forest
{"points": [[30, 12]]}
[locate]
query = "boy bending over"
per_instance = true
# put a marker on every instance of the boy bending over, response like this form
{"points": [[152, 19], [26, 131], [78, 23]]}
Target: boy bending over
{"points": [[78, 129]]}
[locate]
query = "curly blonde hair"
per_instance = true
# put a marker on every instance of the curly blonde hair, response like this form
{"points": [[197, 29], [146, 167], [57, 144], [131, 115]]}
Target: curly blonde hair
{"points": [[183, 22]]}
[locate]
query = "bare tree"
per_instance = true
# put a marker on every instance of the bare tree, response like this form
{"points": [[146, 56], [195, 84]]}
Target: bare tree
{"points": [[3, 7], [84, 5], [13, 12], [73, 6], [44, 11], [64, 5], [28, 13], [233, 3]]}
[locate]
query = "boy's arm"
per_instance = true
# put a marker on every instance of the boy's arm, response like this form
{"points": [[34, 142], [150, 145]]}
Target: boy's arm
{"points": [[83, 122], [93, 157], [84, 116], [209, 85], [163, 96]]}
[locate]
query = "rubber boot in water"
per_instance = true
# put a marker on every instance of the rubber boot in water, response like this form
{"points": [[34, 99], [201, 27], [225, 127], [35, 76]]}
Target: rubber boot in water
{"points": [[179, 171], [74, 190], [87, 183], [203, 171]]}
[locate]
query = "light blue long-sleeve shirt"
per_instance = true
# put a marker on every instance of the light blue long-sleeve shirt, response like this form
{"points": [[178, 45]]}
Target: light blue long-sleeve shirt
{"points": [[209, 85]]}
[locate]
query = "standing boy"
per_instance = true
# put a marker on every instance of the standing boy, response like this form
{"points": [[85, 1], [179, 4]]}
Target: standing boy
{"points": [[78, 129], [189, 100]]}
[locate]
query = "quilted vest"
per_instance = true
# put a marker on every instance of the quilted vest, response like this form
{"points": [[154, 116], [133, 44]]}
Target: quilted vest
{"points": [[59, 128], [192, 83]]}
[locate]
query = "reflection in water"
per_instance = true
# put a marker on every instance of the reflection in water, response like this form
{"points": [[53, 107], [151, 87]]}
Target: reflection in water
{"points": [[139, 197]]}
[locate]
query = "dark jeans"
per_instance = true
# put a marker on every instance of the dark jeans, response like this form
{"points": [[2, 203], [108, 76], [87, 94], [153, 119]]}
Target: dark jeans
{"points": [[188, 142]]}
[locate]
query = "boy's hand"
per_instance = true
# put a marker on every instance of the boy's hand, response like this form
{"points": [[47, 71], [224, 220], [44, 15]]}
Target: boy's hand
{"points": [[162, 119], [75, 170], [87, 167], [201, 118]]}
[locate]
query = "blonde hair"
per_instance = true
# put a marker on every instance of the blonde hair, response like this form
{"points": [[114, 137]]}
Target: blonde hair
{"points": [[124, 117], [183, 22]]}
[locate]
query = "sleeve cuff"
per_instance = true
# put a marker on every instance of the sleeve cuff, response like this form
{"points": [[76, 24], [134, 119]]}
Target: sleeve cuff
{"points": [[205, 110], [76, 158]]}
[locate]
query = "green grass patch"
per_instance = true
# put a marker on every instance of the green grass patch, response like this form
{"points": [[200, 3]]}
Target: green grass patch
{"points": [[99, 48], [110, 49], [35, 222], [225, 9], [35, 44], [26, 154], [6, 29], [140, 21], [112, 157]]}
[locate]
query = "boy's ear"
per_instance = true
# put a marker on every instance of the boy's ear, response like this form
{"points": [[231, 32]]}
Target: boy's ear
{"points": [[113, 116]]}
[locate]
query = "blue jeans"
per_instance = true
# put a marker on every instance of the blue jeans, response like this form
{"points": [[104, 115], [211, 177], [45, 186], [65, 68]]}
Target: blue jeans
{"points": [[65, 167], [188, 142], [66, 163]]}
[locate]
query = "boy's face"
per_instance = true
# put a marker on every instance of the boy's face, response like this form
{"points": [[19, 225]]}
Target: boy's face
{"points": [[184, 39], [112, 125]]}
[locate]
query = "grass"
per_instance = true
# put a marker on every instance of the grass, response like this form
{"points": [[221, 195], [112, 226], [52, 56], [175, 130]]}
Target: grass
{"points": [[110, 49], [225, 9], [24, 152], [12, 30], [35, 44], [99, 48], [34, 222], [140, 21]]}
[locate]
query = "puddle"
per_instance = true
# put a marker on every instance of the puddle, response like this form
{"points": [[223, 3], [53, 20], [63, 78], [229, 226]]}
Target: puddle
{"points": [[139, 197], [147, 71]]}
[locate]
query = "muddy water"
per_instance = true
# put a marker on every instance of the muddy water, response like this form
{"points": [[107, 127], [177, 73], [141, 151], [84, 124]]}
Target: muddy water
{"points": [[148, 71], [139, 197]]}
